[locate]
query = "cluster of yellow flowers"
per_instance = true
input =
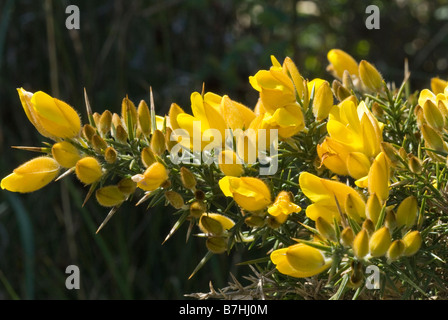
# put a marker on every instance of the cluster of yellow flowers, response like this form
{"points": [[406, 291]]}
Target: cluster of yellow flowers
{"points": [[337, 189]]}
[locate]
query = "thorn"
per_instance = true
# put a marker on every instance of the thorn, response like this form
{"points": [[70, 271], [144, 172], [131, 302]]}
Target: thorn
{"points": [[153, 110], [66, 173], [34, 149], [109, 215], [89, 194], [89, 109], [143, 199]]}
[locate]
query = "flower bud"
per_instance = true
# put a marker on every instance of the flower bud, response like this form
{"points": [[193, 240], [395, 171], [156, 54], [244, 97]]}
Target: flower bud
{"points": [[356, 275], [391, 220], [121, 134], [395, 250], [175, 199], [129, 114], [157, 143], [347, 236], [407, 212], [105, 122], [325, 229], [88, 132], [341, 61], [370, 76], [415, 165], [98, 143], [66, 154], [438, 85], [127, 186], [361, 244], [147, 157], [377, 110], [373, 208], [109, 196], [187, 178], [412, 242], [110, 155], [197, 208], [168, 142], [229, 164], [216, 245], [379, 242], [368, 226], [144, 118], [215, 223], [96, 118], [391, 153], [88, 170]]}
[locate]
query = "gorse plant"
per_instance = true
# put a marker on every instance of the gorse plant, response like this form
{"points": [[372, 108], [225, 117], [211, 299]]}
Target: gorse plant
{"points": [[326, 179]]}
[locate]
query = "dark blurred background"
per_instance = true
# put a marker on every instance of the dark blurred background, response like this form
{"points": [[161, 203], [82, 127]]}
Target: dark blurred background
{"points": [[173, 46]]}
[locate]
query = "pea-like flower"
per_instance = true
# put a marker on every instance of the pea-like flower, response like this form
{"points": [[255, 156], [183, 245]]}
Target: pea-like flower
{"points": [[153, 177], [52, 117], [283, 207], [32, 175]]}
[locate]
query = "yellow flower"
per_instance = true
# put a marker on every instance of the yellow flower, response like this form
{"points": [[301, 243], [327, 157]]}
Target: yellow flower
{"points": [[278, 97], [53, 118], [32, 175], [378, 178], [251, 194], [65, 154], [354, 139], [438, 85], [324, 194], [341, 61], [323, 101], [300, 261], [88, 170], [361, 244], [153, 177], [283, 207], [230, 164]]}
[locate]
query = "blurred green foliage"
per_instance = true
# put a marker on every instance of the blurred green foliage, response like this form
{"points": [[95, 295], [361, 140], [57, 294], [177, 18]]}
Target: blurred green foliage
{"points": [[173, 46]]}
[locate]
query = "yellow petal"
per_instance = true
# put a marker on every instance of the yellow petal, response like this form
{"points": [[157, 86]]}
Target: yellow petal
{"points": [[341, 61], [378, 177], [358, 165]]}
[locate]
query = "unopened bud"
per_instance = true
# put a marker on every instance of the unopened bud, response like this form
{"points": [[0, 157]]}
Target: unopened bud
{"points": [[129, 114], [412, 242], [168, 142], [110, 155], [144, 118], [432, 138], [370, 76], [377, 110], [109, 196], [88, 170], [96, 118], [395, 250], [174, 198], [105, 122], [254, 221], [379, 242], [158, 143], [98, 143], [121, 134], [88, 132], [415, 165], [361, 244], [323, 101], [433, 116], [197, 208], [347, 236], [407, 212], [390, 152], [391, 220], [369, 226], [187, 178], [356, 275], [373, 208], [65, 154], [216, 245]]}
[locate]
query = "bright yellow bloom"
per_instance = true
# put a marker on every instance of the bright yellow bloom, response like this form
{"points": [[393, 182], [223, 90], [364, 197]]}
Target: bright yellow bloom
{"points": [[65, 154], [278, 97], [53, 118], [251, 194], [88, 170], [354, 139], [341, 61], [283, 207], [324, 194], [32, 175], [110, 196], [300, 261], [153, 177]]}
